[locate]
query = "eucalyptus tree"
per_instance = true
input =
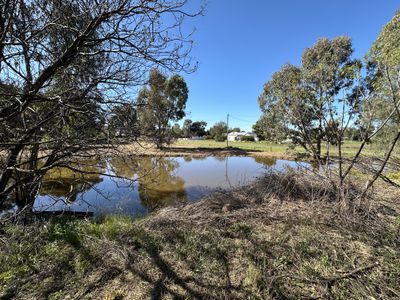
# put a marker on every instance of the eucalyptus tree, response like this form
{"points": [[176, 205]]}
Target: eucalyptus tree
{"points": [[300, 102], [331, 94], [64, 65], [218, 131], [161, 101], [269, 127], [123, 122], [198, 128], [176, 130], [186, 128], [381, 110]]}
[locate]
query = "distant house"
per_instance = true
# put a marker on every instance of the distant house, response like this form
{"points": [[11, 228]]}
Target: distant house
{"points": [[236, 136]]}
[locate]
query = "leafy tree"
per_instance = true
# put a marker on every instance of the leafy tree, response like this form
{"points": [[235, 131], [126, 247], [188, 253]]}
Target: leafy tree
{"points": [[300, 101], [218, 131], [383, 80], [198, 128], [247, 138], [352, 134], [161, 101], [176, 130], [269, 128], [123, 121], [235, 129], [186, 130]]}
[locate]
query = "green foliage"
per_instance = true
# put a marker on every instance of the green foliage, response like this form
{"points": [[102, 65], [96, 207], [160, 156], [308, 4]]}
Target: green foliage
{"points": [[386, 48], [177, 130], [246, 138], [218, 131], [270, 128], [123, 121], [161, 101], [111, 226], [383, 62], [198, 128], [235, 129], [65, 230], [298, 102], [186, 128]]}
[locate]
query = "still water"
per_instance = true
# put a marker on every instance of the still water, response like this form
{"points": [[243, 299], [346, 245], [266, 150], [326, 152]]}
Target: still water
{"points": [[154, 182]]}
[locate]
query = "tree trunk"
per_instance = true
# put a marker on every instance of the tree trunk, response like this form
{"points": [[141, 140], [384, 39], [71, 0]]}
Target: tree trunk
{"points": [[8, 171], [25, 194]]}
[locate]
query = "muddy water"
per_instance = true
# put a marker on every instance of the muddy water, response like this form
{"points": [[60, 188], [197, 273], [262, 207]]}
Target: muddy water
{"points": [[153, 182]]}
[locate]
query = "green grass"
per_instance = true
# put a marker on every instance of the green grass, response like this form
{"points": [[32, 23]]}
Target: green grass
{"points": [[260, 146], [290, 258], [349, 148]]}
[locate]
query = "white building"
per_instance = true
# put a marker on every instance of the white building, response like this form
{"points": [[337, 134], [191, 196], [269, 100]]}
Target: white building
{"points": [[236, 136]]}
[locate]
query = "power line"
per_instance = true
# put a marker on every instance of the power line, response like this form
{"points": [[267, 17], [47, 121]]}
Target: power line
{"points": [[242, 120]]}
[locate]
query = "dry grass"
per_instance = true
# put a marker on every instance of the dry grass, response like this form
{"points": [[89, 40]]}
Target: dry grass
{"points": [[281, 238], [201, 150]]}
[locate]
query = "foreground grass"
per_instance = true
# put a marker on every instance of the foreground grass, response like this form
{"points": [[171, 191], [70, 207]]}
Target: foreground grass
{"points": [[264, 242]]}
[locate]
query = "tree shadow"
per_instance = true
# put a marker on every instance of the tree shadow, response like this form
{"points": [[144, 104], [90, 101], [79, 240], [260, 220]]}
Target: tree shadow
{"points": [[191, 287]]}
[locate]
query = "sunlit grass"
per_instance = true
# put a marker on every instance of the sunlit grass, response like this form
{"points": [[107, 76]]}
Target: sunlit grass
{"points": [[349, 148]]}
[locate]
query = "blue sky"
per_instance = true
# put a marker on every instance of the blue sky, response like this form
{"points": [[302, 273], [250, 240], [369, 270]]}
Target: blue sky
{"points": [[240, 44]]}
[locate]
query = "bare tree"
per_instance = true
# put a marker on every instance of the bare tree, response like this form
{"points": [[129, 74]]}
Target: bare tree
{"points": [[64, 65]]}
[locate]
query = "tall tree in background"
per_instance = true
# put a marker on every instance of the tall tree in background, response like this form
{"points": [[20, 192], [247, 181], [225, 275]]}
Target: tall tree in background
{"points": [[300, 101], [186, 128], [198, 128], [123, 121], [269, 127], [163, 100], [176, 130], [64, 65], [218, 131]]}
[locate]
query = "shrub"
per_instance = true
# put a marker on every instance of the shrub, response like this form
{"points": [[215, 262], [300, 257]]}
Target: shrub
{"points": [[247, 138], [220, 138]]}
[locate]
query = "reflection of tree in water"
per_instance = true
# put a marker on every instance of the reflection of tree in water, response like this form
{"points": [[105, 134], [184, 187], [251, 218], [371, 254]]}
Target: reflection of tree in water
{"points": [[124, 166], [187, 158], [158, 186], [63, 182], [220, 158], [201, 157], [69, 189], [266, 161]]}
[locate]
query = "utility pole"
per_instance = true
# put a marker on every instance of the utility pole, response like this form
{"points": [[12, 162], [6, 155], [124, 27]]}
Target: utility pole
{"points": [[227, 130]]}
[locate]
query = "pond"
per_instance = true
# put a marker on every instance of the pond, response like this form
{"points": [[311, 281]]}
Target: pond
{"points": [[154, 182]]}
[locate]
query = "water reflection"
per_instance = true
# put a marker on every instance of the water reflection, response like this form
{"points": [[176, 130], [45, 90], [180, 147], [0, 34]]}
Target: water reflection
{"points": [[124, 166], [267, 161], [159, 183], [67, 184], [154, 182]]}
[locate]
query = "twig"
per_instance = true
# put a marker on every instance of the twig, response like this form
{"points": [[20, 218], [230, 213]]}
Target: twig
{"points": [[349, 274]]}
